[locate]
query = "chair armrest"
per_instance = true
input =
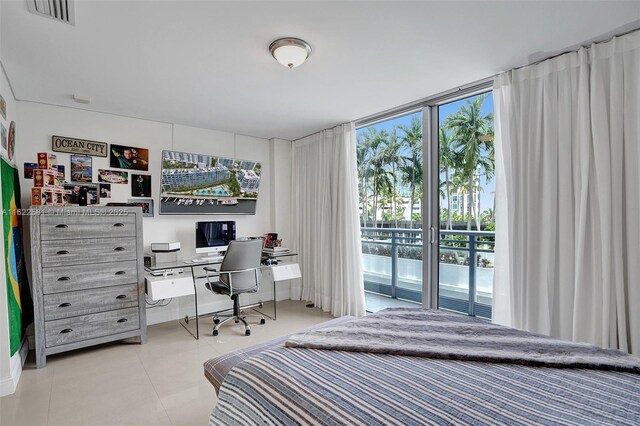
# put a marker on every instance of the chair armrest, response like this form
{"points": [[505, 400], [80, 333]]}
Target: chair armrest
{"points": [[211, 269]]}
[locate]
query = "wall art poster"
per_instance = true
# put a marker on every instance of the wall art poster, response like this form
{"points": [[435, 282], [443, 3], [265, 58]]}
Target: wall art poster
{"points": [[78, 146], [28, 170], [128, 157], [3, 135], [140, 185], [81, 169], [208, 184], [147, 206], [3, 108], [105, 190], [112, 176]]}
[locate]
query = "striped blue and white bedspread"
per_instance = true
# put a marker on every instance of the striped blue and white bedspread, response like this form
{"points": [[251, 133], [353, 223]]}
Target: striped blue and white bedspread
{"points": [[309, 386]]}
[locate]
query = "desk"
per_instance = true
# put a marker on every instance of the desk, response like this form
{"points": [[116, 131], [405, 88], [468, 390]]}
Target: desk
{"points": [[180, 263]]}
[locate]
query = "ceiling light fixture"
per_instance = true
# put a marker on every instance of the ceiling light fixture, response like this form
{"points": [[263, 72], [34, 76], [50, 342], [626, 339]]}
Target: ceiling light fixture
{"points": [[290, 52]]}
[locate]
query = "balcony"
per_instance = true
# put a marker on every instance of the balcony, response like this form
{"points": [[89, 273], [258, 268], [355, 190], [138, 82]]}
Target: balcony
{"points": [[392, 260]]}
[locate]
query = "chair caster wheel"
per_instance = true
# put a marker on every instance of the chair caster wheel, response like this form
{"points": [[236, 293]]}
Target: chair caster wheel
{"points": [[236, 321], [262, 321], [247, 332], [216, 321], [215, 332]]}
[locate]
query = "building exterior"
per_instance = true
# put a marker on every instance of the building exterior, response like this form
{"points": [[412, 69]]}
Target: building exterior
{"points": [[248, 180], [227, 162], [180, 179], [247, 165], [200, 160]]}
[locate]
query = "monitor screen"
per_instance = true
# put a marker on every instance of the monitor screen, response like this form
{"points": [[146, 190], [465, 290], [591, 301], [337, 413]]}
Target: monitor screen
{"points": [[214, 237]]}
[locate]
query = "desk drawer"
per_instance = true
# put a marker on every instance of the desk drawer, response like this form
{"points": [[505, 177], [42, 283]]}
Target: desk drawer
{"points": [[82, 277], [86, 327], [76, 252], [63, 227], [82, 302]]}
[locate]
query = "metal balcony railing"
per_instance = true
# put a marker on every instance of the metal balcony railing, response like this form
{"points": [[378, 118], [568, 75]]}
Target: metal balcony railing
{"points": [[392, 260]]}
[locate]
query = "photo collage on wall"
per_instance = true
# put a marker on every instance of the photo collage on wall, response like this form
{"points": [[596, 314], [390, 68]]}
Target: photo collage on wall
{"points": [[117, 167], [137, 160]]}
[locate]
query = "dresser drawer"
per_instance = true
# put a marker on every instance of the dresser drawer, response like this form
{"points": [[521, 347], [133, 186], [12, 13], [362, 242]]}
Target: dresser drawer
{"points": [[71, 227], [82, 302], [77, 252], [86, 327], [81, 277]]}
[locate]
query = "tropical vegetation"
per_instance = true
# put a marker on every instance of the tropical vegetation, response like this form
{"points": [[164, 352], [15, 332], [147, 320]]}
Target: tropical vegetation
{"points": [[390, 168]]}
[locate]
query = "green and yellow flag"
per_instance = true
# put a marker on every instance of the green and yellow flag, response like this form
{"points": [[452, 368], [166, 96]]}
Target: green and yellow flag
{"points": [[19, 298]]}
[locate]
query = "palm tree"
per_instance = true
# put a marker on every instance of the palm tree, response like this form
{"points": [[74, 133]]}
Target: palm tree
{"points": [[470, 131], [392, 157], [448, 160], [374, 166], [362, 152], [412, 169]]}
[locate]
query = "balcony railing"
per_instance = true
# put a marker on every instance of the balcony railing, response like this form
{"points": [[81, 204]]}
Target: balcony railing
{"points": [[393, 267]]}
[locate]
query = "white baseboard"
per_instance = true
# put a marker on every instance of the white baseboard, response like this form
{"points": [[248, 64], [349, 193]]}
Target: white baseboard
{"points": [[9, 384]]}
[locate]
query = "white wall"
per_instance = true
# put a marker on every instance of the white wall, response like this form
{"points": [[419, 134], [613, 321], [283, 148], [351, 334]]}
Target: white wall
{"points": [[39, 122]]}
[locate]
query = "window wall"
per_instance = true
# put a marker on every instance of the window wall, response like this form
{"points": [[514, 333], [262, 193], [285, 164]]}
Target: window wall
{"points": [[440, 181]]}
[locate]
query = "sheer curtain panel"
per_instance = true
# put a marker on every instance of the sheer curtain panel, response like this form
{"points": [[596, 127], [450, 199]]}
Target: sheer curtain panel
{"points": [[326, 226], [568, 195]]}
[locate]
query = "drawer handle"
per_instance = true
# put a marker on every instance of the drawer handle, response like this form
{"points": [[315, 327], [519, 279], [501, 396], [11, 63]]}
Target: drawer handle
{"points": [[118, 225], [62, 225], [120, 273], [64, 305], [64, 279], [66, 330], [119, 249], [121, 320], [62, 252], [122, 296]]}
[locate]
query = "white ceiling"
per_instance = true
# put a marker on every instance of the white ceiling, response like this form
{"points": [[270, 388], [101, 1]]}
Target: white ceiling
{"points": [[206, 64]]}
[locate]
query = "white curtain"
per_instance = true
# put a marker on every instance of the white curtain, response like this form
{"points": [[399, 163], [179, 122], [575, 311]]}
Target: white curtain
{"points": [[326, 227], [568, 196]]}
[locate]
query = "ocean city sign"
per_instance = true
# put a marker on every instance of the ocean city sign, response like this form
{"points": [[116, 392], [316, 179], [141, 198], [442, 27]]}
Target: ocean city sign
{"points": [[78, 146]]}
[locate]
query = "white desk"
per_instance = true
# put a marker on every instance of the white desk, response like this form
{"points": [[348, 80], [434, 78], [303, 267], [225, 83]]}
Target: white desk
{"points": [[280, 272]]}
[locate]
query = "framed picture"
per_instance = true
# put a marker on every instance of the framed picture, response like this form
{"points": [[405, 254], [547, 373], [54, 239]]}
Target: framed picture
{"points": [[3, 135], [81, 169], [61, 171], [28, 170], [128, 157], [73, 193], [140, 185], [146, 204], [208, 184], [105, 190], [112, 176]]}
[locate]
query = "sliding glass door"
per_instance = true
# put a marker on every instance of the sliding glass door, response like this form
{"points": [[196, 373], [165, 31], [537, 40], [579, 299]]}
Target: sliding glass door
{"points": [[390, 186], [426, 184], [462, 200]]}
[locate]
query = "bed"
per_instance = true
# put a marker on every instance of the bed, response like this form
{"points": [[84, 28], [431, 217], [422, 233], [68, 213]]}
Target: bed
{"points": [[415, 366]]}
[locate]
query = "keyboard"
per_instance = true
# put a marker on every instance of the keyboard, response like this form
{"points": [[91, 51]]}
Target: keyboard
{"points": [[211, 259]]}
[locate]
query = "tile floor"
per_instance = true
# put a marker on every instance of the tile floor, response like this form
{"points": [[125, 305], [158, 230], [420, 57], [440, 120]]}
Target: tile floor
{"points": [[376, 302], [160, 383]]}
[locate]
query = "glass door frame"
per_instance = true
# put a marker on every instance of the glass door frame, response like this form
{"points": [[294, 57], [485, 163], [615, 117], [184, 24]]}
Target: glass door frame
{"points": [[431, 194]]}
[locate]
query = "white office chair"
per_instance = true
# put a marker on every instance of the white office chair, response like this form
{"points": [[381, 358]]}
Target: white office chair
{"points": [[239, 273]]}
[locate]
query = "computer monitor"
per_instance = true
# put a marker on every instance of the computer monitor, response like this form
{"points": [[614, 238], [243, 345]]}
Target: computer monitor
{"points": [[213, 237]]}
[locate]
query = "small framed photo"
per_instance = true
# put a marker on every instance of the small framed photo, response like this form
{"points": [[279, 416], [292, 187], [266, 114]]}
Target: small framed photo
{"points": [[146, 204], [140, 185], [105, 190], [81, 169], [129, 157], [75, 193], [113, 176], [28, 170]]}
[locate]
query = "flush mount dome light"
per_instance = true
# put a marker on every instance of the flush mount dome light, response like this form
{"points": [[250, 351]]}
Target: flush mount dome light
{"points": [[290, 52]]}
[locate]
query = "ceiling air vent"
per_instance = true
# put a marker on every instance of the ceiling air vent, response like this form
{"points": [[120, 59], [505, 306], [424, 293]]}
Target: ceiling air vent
{"points": [[60, 10]]}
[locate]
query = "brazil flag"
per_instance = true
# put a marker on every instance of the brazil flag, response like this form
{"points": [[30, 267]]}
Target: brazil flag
{"points": [[19, 300]]}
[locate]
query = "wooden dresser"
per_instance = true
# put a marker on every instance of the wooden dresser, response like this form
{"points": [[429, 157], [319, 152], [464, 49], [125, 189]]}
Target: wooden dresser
{"points": [[87, 277]]}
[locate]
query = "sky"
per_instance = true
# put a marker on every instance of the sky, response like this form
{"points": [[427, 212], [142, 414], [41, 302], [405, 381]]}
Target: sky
{"points": [[487, 194]]}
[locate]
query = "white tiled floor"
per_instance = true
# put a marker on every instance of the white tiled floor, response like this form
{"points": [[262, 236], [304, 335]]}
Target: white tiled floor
{"points": [[160, 383]]}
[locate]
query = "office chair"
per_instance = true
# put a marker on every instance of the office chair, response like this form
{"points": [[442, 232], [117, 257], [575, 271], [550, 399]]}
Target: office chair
{"points": [[239, 273]]}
